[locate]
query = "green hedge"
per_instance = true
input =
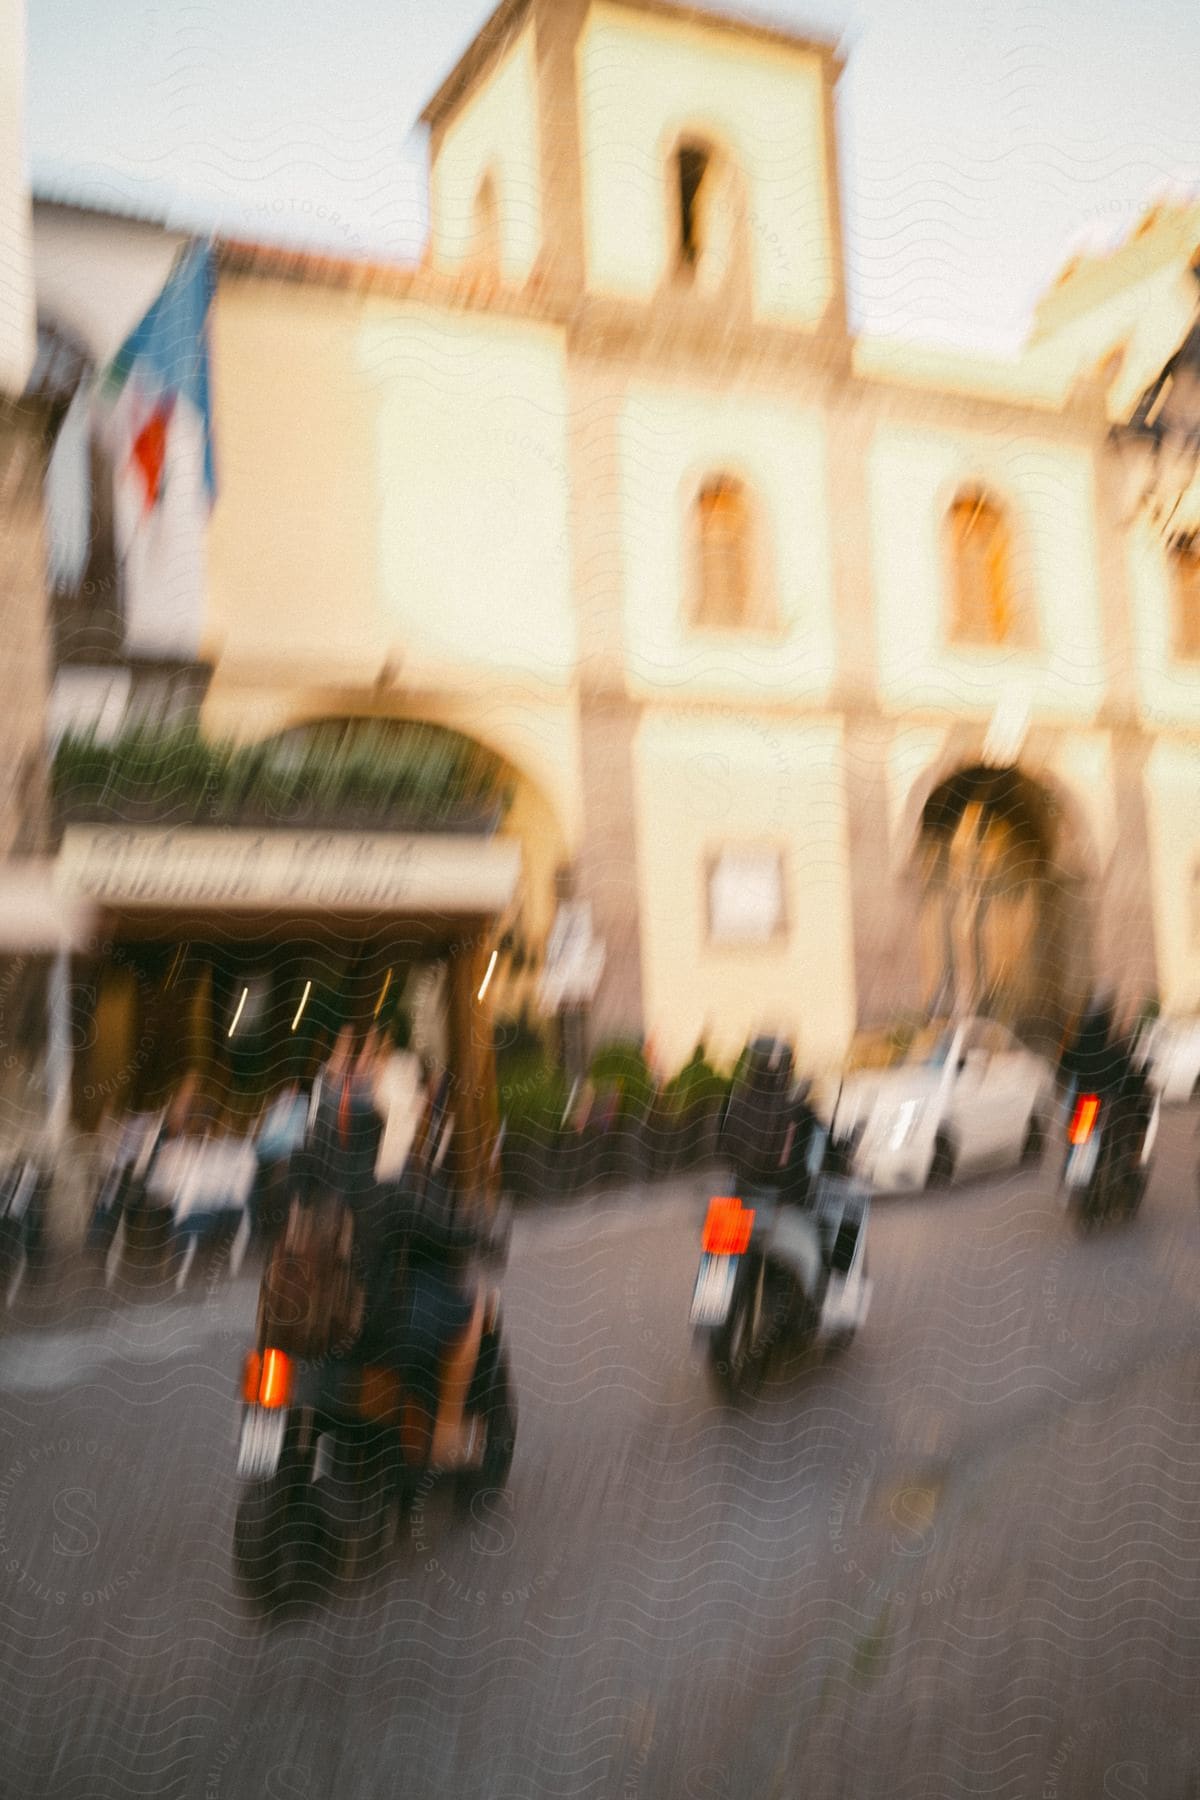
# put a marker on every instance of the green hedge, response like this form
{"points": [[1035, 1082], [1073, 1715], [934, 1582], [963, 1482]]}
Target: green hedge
{"points": [[534, 1090], [533, 1094], [697, 1084], [385, 773], [623, 1066]]}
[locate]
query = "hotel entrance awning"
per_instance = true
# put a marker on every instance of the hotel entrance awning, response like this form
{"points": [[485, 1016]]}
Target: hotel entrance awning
{"points": [[240, 871], [36, 917]]}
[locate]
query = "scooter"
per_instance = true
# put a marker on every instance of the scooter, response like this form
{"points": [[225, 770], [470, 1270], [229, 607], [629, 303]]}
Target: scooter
{"points": [[775, 1278], [1100, 1180], [331, 1449]]}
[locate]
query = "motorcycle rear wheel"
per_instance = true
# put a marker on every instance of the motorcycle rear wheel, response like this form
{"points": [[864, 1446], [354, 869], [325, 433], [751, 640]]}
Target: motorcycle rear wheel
{"points": [[255, 1548], [276, 1539], [497, 1412], [739, 1351]]}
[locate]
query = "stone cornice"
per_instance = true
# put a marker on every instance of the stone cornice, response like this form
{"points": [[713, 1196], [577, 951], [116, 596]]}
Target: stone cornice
{"points": [[670, 341]]}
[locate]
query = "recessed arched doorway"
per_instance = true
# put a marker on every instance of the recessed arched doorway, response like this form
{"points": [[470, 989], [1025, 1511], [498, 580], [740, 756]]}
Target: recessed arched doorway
{"points": [[1006, 880]]}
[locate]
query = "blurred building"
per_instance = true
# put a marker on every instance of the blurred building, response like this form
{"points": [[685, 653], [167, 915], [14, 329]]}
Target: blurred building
{"points": [[37, 927], [22, 671], [234, 929], [835, 676]]}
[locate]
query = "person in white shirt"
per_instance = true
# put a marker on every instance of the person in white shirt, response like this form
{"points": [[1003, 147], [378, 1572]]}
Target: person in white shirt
{"points": [[400, 1097]]}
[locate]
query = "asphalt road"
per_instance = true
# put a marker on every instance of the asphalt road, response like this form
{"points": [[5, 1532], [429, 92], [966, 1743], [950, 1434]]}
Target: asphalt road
{"points": [[963, 1560]]}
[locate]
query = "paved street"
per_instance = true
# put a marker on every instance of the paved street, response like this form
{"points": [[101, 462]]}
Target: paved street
{"points": [[963, 1561]]}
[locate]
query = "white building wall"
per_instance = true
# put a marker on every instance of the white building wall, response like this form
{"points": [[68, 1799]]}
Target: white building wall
{"points": [[498, 133], [97, 276], [705, 785], [17, 312]]}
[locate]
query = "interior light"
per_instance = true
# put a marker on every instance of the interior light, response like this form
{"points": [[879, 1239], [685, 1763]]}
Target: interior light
{"points": [[237, 1015], [302, 1005], [487, 978], [382, 995]]}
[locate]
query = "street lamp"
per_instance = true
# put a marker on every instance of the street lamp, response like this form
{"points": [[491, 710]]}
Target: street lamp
{"points": [[1160, 443]]}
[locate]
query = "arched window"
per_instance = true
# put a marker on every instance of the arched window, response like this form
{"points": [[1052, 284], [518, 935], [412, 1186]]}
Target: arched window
{"points": [[485, 227], [693, 172], [707, 216], [725, 555], [1185, 595], [981, 570]]}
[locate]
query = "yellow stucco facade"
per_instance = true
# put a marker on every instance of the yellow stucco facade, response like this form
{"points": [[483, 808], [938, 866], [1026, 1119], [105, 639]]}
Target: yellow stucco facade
{"points": [[465, 493]]}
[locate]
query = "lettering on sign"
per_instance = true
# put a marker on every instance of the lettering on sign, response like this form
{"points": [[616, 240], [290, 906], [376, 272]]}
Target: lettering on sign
{"points": [[182, 867]]}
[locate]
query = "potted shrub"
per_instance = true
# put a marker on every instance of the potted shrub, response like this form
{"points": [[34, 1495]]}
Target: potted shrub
{"points": [[620, 1071], [81, 777], [533, 1095], [692, 1103]]}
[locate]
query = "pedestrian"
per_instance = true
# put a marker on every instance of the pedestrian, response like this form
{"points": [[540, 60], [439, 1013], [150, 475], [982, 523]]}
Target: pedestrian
{"points": [[281, 1133], [400, 1096]]}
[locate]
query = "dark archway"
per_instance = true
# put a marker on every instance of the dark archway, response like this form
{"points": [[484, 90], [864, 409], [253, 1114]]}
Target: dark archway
{"points": [[1006, 895]]}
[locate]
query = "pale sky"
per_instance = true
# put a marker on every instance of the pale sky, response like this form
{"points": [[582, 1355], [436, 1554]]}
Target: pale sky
{"points": [[982, 140]]}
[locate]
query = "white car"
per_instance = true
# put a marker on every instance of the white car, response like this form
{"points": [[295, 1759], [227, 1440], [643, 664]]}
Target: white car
{"points": [[966, 1097], [1173, 1049]]}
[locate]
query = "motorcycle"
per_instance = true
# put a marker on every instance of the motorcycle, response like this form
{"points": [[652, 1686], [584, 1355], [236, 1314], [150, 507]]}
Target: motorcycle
{"points": [[332, 1449], [776, 1278], [1105, 1175]]}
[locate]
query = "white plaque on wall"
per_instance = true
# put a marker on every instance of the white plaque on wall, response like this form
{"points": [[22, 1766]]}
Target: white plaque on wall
{"points": [[745, 896]]}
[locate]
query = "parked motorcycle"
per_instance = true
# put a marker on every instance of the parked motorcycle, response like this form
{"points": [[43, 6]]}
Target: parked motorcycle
{"points": [[332, 1448], [1110, 1145], [780, 1279]]}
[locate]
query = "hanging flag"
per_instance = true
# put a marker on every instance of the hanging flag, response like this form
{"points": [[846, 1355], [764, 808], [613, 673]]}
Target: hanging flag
{"points": [[155, 405], [69, 494], [150, 451], [165, 358]]}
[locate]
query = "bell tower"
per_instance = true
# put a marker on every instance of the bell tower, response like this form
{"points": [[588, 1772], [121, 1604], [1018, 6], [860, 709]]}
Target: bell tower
{"points": [[640, 152]]}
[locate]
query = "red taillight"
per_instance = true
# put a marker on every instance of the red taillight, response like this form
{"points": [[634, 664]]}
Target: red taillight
{"points": [[727, 1228], [1083, 1121], [251, 1376], [267, 1379]]}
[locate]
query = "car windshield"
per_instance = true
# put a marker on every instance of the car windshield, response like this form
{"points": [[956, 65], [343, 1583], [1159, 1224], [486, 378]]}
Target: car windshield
{"points": [[930, 1048]]}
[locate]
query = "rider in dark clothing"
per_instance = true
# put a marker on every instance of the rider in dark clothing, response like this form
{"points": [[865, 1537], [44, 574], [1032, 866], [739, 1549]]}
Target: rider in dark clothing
{"points": [[409, 1243], [757, 1115], [344, 1128], [1093, 1062], [803, 1128], [1102, 1061], [423, 1246]]}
